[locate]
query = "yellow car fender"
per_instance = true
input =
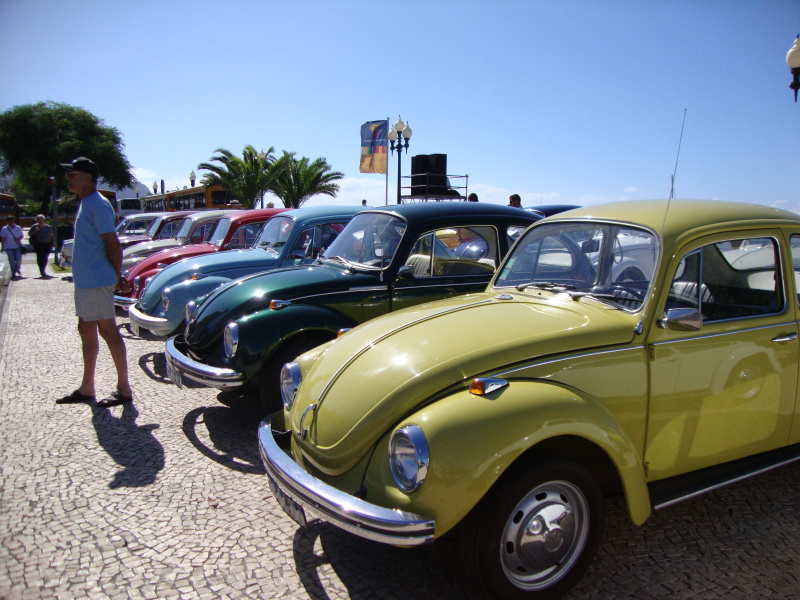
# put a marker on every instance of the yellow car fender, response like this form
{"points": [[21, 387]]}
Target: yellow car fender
{"points": [[473, 440]]}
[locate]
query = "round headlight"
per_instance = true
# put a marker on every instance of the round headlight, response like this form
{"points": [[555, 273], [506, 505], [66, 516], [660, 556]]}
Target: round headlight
{"points": [[290, 380], [189, 310], [165, 299], [408, 457], [230, 339]]}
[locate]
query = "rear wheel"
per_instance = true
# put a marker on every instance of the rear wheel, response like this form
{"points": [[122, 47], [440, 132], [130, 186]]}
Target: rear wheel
{"points": [[537, 531], [269, 392]]}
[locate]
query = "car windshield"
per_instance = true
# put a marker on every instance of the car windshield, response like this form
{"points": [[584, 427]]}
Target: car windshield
{"points": [[609, 262], [220, 231], [275, 234], [369, 240], [151, 231], [184, 228]]}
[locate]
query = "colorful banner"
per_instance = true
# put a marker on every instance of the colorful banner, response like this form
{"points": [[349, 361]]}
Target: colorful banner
{"points": [[374, 144]]}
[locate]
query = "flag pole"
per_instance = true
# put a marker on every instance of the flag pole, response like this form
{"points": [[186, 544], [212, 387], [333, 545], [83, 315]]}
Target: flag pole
{"points": [[386, 197]]}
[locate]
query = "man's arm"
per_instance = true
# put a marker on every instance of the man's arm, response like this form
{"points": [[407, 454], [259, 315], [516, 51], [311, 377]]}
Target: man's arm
{"points": [[114, 252]]}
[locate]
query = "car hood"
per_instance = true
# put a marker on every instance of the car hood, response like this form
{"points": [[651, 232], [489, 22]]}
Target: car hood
{"points": [[168, 256], [253, 293], [368, 379], [145, 247], [214, 264], [133, 238]]}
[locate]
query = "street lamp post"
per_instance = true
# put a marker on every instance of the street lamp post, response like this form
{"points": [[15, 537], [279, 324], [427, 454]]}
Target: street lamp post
{"points": [[793, 61], [399, 134]]}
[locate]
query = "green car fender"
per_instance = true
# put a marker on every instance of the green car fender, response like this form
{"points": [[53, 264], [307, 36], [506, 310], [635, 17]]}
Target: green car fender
{"points": [[473, 440], [262, 334]]}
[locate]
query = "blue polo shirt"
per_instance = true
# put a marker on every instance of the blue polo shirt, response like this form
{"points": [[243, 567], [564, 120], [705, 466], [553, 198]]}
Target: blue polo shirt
{"points": [[90, 265]]}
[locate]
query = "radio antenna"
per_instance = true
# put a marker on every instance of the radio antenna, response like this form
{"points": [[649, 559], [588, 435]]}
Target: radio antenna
{"points": [[675, 171]]}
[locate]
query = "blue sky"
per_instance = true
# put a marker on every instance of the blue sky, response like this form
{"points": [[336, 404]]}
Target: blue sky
{"points": [[560, 101]]}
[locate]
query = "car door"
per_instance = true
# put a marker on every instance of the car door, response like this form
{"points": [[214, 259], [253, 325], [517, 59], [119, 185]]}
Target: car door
{"points": [[724, 387]]}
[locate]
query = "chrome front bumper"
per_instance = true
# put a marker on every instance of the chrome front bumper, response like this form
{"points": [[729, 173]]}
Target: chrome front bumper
{"points": [[125, 302], [158, 325], [325, 502], [216, 377]]}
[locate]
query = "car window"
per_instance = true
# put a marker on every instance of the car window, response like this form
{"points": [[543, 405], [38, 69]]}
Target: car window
{"points": [[795, 247], [455, 251], [243, 237], [729, 280], [217, 236]]}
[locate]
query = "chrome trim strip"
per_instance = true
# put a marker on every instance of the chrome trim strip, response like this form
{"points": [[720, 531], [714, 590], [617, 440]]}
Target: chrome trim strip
{"points": [[215, 377], [502, 374], [723, 484], [325, 502], [157, 325], [723, 333]]}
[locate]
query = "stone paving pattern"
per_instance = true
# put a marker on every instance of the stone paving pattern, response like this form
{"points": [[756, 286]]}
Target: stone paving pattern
{"points": [[167, 498]]}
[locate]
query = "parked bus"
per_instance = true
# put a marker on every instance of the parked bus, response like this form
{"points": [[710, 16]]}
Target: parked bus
{"points": [[128, 206], [10, 208], [213, 197]]}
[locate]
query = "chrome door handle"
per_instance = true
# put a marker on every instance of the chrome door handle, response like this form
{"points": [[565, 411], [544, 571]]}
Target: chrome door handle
{"points": [[785, 338]]}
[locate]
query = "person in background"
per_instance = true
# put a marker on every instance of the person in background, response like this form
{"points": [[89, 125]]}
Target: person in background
{"points": [[43, 240], [364, 202], [96, 263], [515, 201], [11, 240], [472, 197]]}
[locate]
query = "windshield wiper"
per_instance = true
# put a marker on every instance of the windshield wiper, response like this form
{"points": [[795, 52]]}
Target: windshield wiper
{"points": [[545, 285], [610, 299], [350, 266]]}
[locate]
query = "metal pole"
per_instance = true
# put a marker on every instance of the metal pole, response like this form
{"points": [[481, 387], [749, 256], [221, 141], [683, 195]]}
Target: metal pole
{"points": [[399, 157], [55, 217], [386, 196]]}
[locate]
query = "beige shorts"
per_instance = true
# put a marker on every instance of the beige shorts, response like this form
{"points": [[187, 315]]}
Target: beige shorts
{"points": [[95, 304]]}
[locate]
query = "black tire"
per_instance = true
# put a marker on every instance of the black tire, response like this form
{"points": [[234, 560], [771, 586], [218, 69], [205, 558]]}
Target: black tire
{"points": [[536, 532], [269, 391]]}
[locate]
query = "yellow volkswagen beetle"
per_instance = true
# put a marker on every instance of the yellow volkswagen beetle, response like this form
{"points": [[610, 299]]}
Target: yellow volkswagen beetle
{"points": [[644, 348]]}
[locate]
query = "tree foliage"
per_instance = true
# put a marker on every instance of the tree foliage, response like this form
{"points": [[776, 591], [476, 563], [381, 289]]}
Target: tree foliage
{"points": [[299, 180], [247, 178], [35, 138]]}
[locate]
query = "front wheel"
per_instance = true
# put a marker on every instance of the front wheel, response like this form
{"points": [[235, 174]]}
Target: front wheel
{"points": [[536, 532]]}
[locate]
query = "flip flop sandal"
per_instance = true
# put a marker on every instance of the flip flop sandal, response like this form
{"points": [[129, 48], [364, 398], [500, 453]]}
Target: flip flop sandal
{"points": [[75, 396], [115, 399]]}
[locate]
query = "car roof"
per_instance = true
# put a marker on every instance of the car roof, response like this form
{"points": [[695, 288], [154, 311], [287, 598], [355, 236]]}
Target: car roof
{"points": [[209, 214], [254, 214], [315, 212], [684, 217], [450, 212]]}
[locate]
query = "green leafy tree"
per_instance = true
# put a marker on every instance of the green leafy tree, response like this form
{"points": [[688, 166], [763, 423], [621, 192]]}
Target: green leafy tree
{"points": [[35, 138], [299, 180], [247, 178]]}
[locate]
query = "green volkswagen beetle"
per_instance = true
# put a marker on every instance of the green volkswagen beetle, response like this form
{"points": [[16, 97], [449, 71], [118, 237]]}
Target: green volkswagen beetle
{"points": [[385, 259], [643, 348]]}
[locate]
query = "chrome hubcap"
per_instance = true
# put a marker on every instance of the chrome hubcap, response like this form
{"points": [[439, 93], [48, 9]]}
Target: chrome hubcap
{"points": [[544, 535]]}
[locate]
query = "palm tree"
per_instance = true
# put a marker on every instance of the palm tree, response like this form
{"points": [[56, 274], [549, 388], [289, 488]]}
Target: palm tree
{"points": [[247, 178], [298, 180]]}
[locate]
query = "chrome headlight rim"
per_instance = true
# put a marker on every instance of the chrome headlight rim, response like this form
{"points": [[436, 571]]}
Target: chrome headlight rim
{"points": [[165, 299], [191, 306], [291, 376], [409, 457], [230, 339]]}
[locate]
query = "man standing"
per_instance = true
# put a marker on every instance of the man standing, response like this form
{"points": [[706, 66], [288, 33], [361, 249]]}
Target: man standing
{"points": [[11, 240], [43, 240], [515, 201], [96, 263]]}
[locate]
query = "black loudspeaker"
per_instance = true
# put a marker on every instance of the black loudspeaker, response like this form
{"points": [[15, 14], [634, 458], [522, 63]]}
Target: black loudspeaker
{"points": [[429, 175]]}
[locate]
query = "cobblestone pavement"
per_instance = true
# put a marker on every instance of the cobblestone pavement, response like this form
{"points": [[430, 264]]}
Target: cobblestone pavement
{"points": [[167, 498]]}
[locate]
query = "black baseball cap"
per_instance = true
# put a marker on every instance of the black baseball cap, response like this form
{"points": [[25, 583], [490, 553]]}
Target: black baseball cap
{"points": [[82, 164]]}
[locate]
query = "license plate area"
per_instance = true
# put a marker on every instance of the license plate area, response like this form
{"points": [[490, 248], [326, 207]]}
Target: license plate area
{"points": [[174, 375], [289, 506]]}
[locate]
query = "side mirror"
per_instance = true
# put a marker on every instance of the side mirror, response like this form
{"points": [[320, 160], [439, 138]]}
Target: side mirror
{"points": [[682, 319], [406, 272]]}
